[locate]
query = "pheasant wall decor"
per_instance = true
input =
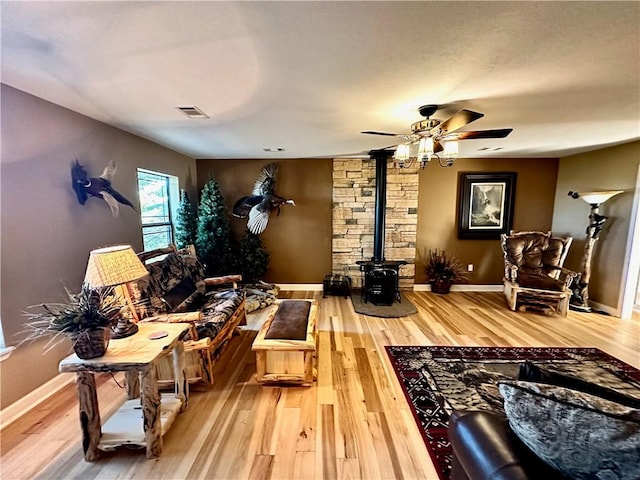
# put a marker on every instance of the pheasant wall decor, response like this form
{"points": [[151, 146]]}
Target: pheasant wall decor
{"points": [[99, 187], [262, 201]]}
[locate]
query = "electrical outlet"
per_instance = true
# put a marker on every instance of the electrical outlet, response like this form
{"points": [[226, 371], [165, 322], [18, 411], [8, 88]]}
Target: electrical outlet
{"points": [[470, 267]]}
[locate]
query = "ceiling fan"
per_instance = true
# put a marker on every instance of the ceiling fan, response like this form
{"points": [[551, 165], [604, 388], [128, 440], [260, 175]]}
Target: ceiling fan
{"points": [[434, 136]]}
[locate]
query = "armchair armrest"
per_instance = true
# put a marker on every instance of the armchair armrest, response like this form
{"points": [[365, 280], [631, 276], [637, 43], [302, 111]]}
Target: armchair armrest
{"points": [[510, 271], [186, 317], [211, 281], [566, 275]]}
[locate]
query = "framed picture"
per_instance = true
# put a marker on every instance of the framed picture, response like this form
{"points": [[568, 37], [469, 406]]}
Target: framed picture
{"points": [[486, 204]]}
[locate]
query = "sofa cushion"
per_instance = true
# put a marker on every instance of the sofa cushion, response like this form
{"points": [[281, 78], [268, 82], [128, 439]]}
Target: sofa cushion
{"points": [[218, 308], [181, 295], [535, 249], [540, 281], [531, 372], [580, 434], [165, 275]]}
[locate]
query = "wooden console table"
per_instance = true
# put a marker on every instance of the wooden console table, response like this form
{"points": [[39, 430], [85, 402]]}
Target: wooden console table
{"points": [[137, 356]]}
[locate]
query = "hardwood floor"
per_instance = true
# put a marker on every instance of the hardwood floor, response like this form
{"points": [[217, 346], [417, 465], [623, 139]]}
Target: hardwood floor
{"points": [[353, 423]]}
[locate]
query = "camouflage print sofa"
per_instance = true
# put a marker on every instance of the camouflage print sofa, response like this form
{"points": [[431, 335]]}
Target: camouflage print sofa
{"points": [[176, 290]]}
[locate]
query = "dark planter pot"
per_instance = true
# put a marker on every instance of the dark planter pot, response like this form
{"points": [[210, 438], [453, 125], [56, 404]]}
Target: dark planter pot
{"points": [[441, 286], [91, 343]]}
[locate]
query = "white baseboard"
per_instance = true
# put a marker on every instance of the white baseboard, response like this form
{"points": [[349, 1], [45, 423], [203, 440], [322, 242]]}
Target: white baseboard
{"points": [[34, 398], [461, 288], [417, 287]]}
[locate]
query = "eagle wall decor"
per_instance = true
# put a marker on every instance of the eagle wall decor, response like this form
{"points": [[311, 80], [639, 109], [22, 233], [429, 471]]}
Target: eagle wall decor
{"points": [[262, 201], [99, 187]]}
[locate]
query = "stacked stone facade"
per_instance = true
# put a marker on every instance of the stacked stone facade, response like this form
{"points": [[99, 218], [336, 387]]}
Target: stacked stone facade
{"points": [[354, 183]]}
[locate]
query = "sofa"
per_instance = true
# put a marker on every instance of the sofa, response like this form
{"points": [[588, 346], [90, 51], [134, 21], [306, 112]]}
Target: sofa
{"points": [[556, 426], [176, 290], [485, 447]]}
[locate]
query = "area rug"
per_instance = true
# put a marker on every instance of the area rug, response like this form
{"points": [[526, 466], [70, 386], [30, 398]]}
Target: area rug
{"points": [[437, 380], [395, 310]]}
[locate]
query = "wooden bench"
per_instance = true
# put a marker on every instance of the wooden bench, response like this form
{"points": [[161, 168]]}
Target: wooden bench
{"points": [[286, 344]]}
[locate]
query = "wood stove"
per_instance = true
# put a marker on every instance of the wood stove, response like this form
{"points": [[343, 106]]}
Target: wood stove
{"points": [[380, 284]]}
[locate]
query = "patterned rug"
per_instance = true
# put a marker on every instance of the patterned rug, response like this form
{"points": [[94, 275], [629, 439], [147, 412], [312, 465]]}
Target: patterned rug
{"points": [[437, 380]]}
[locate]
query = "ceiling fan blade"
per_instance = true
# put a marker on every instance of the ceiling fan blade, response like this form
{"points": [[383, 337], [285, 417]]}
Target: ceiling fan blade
{"points": [[437, 146], [371, 132], [498, 133], [457, 121]]}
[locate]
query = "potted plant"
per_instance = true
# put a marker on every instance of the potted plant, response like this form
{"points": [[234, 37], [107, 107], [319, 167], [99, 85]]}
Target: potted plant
{"points": [[86, 319], [443, 270]]}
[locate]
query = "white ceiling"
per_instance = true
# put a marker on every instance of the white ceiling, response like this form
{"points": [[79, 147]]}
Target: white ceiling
{"points": [[309, 76]]}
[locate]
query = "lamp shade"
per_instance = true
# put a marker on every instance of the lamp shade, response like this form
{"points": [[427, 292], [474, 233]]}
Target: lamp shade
{"points": [[111, 266], [450, 149], [425, 147], [402, 152], [596, 198]]}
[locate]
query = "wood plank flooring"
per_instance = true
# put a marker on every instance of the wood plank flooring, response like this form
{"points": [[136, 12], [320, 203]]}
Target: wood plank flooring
{"points": [[353, 423]]}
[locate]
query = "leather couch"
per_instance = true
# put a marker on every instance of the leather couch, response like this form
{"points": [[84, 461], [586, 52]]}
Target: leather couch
{"points": [[484, 447]]}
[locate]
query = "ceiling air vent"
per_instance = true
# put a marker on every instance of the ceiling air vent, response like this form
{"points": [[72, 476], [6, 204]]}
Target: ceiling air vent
{"points": [[193, 112]]}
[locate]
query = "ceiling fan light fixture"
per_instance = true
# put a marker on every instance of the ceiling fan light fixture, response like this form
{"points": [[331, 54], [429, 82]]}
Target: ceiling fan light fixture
{"points": [[403, 155], [425, 147], [402, 152], [451, 149], [431, 135]]}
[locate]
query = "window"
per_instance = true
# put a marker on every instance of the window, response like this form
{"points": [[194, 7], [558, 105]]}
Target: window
{"points": [[4, 350], [158, 202]]}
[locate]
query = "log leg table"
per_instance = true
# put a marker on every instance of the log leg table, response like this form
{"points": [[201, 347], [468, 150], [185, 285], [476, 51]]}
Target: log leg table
{"points": [[139, 422], [286, 344]]}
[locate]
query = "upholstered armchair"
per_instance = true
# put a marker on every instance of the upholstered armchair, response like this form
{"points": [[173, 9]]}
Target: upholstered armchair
{"points": [[533, 273]]}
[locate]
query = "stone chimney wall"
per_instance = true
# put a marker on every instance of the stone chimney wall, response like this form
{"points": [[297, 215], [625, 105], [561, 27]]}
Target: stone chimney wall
{"points": [[354, 182]]}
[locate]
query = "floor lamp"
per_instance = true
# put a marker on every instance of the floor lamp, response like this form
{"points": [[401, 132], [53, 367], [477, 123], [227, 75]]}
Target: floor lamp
{"points": [[580, 286], [116, 267]]}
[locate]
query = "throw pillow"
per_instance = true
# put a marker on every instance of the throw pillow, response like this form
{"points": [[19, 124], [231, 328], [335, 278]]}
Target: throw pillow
{"points": [[176, 298], [531, 372], [579, 434]]}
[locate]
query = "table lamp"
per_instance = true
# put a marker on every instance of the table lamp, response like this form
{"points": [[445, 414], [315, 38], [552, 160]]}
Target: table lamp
{"points": [[112, 267], [580, 287]]}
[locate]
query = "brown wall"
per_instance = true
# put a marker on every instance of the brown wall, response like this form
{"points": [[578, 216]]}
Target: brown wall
{"points": [[614, 168], [46, 234], [303, 233], [438, 207], [299, 240]]}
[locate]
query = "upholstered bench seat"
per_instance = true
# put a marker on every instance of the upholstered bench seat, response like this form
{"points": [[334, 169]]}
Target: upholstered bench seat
{"points": [[286, 344]]}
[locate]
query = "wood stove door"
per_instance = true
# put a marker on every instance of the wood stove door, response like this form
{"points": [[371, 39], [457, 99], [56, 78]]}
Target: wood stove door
{"points": [[381, 285]]}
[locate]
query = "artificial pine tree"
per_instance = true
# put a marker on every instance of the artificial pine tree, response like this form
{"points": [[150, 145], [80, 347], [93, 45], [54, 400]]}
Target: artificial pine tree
{"points": [[213, 241], [187, 222], [254, 258]]}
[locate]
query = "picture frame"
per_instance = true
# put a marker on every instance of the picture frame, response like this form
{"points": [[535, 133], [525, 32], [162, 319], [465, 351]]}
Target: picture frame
{"points": [[485, 204]]}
